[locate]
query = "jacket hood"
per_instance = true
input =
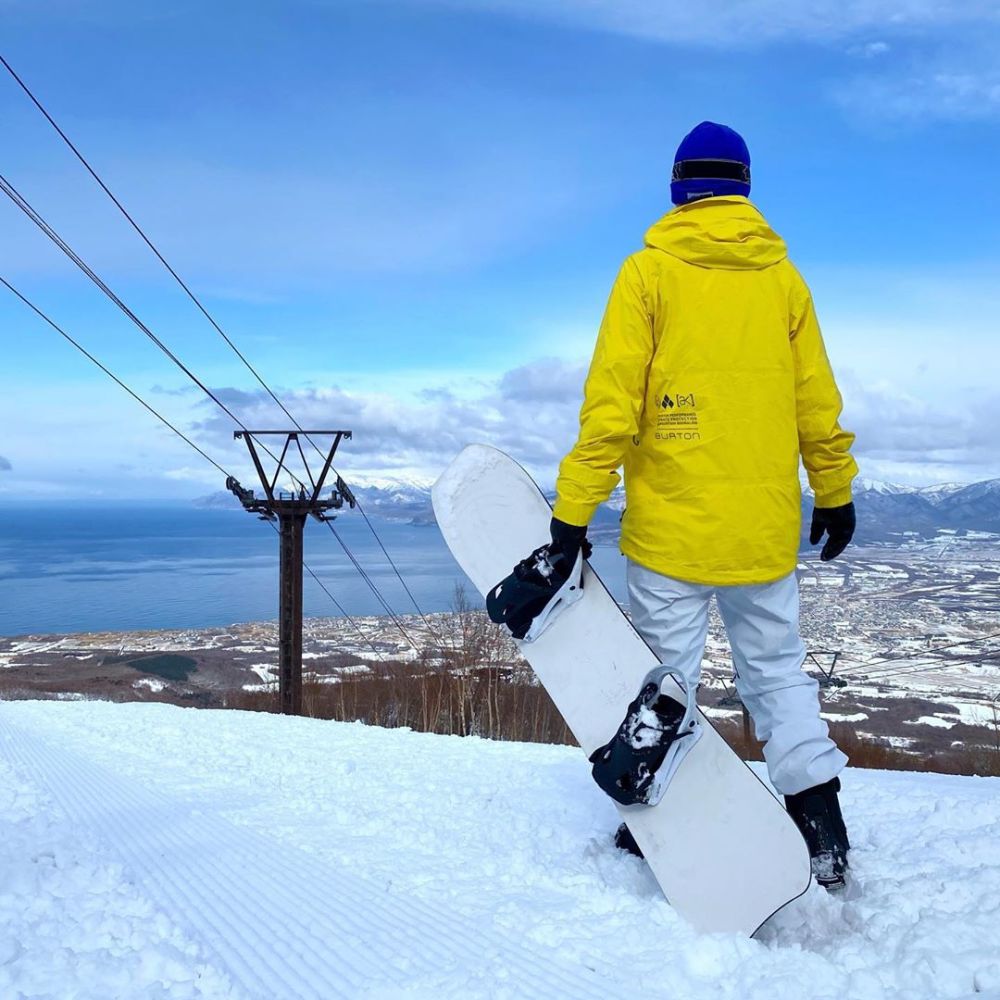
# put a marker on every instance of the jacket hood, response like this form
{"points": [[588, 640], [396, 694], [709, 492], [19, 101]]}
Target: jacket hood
{"points": [[727, 232]]}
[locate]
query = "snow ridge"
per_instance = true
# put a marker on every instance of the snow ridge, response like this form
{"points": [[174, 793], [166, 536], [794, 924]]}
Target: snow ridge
{"points": [[283, 923]]}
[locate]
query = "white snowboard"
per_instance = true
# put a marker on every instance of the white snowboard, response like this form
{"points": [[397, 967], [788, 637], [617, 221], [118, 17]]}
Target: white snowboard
{"points": [[720, 844]]}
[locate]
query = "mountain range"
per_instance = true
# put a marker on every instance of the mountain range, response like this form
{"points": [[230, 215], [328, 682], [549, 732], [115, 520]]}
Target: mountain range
{"points": [[886, 511]]}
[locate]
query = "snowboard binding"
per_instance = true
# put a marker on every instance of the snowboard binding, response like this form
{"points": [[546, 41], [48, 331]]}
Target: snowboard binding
{"points": [[658, 732], [539, 589]]}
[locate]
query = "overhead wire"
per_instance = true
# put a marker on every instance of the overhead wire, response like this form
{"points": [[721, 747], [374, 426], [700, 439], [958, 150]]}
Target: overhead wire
{"points": [[49, 231], [25, 206], [929, 664], [363, 573], [211, 319], [138, 229], [107, 371], [864, 668], [159, 416], [32, 213], [923, 661]]}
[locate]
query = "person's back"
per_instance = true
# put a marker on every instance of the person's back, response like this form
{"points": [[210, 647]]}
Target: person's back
{"points": [[708, 382], [732, 379]]}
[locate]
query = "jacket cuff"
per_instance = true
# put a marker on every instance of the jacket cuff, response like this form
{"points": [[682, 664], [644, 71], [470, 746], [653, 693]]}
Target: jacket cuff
{"points": [[838, 498], [576, 514]]}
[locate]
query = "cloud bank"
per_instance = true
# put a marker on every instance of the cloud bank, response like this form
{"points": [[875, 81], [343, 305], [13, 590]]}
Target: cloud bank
{"points": [[532, 411], [906, 435]]}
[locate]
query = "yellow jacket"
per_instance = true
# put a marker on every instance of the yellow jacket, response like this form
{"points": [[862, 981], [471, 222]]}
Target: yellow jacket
{"points": [[709, 380]]}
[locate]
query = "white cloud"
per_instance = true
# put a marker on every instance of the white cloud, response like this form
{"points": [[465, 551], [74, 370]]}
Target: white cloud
{"points": [[530, 412], [946, 33], [869, 50], [732, 23], [919, 96], [945, 435]]}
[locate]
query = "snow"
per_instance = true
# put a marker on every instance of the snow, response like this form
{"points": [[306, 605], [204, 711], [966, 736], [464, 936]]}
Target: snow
{"points": [[864, 485], [972, 714], [940, 491], [406, 486], [71, 922], [151, 683], [844, 716], [932, 720], [720, 713], [153, 851]]}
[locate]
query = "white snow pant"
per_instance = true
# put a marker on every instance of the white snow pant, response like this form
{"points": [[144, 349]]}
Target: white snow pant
{"points": [[762, 622]]}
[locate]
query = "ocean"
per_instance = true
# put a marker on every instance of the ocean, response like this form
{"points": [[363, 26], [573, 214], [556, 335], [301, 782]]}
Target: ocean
{"points": [[123, 566]]}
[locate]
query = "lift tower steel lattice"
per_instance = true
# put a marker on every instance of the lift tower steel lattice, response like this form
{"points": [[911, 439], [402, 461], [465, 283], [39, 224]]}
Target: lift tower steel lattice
{"points": [[290, 510]]}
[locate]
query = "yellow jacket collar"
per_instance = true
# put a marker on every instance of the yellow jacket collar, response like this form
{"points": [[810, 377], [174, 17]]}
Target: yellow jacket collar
{"points": [[726, 232]]}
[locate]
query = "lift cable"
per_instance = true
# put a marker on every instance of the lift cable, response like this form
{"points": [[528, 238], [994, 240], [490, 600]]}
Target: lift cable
{"points": [[396, 620], [916, 667], [121, 208], [863, 668], [357, 628], [159, 416], [25, 206], [35, 217], [107, 371], [198, 303]]}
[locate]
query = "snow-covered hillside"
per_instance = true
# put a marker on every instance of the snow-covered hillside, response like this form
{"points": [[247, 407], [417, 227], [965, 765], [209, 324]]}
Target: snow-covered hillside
{"points": [[148, 851]]}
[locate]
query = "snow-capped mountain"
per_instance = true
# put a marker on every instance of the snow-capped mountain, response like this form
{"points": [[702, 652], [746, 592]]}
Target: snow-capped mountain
{"points": [[864, 485], [395, 499], [940, 491], [976, 503], [885, 510]]}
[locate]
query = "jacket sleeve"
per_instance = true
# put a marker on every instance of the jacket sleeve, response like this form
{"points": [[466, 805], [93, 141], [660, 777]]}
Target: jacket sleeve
{"points": [[825, 446], [612, 403]]}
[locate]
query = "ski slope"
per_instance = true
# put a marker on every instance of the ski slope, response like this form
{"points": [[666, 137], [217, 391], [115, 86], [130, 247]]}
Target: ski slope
{"points": [[148, 851]]}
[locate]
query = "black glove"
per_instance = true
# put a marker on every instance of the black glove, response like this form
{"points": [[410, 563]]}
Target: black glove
{"points": [[569, 539], [838, 523]]}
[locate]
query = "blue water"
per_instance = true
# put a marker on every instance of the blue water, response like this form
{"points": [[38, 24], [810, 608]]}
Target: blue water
{"points": [[91, 567]]}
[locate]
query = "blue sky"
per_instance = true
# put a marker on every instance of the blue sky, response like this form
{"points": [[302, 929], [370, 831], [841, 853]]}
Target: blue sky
{"points": [[409, 214]]}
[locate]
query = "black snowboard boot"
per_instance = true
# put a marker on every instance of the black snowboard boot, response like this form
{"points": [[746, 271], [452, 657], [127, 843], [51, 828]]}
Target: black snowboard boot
{"points": [[816, 812], [624, 841]]}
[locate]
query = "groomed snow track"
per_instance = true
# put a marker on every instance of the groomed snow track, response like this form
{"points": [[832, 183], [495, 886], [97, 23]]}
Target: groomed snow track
{"points": [[282, 922]]}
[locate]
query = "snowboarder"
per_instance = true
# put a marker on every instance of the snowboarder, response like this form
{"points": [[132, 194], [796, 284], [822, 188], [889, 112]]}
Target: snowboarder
{"points": [[713, 317]]}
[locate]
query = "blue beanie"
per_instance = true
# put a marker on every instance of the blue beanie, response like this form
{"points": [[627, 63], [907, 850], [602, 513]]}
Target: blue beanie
{"points": [[711, 160]]}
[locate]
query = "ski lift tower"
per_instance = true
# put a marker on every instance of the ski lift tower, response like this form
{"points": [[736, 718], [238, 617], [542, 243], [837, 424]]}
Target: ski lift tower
{"points": [[290, 510]]}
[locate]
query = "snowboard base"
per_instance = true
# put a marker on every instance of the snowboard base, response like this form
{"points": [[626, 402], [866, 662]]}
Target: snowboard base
{"points": [[716, 816]]}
